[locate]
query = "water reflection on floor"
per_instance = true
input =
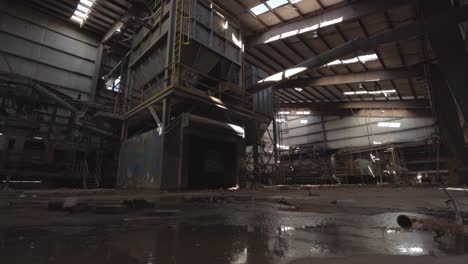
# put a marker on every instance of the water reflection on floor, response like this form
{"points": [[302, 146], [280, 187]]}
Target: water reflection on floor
{"points": [[239, 232]]}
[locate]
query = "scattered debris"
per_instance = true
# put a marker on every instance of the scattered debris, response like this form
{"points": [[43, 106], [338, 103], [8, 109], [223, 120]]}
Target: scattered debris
{"points": [[111, 209], [138, 204], [162, 212], [344, 202], [285, 202], [216, 199], [55, 205], [291, 206], [79, 208], [70, 202]]}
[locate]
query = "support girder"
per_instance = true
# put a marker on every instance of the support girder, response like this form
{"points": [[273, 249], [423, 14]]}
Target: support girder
{"points": [[361, 77], [328, 18], [436, 23], [397, 104]]}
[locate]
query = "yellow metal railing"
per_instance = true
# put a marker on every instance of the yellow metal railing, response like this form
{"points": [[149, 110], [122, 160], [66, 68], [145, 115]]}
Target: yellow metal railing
{"points": [[182, 34]]}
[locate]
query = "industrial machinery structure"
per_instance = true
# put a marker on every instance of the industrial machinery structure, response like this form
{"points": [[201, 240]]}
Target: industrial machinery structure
{"points": [[190, 94], [187, 72]]}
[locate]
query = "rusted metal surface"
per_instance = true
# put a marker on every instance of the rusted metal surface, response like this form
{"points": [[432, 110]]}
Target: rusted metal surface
{"points": [[140, 163], [440, 227]]}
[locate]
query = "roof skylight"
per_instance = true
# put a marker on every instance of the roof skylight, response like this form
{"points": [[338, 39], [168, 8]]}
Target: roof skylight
{"points": [[260, 9], [82, 11], [276, 3], [270, 4]]}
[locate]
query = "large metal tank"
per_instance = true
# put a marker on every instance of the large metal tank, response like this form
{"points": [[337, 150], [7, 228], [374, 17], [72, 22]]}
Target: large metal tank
{"points": [[207, 45]]}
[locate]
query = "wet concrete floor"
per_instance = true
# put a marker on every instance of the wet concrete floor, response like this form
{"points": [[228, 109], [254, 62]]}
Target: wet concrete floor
{"points": [[225, 232]]}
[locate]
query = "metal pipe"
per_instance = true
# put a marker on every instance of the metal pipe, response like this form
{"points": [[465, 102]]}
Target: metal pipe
{"points": [[43, 90], [440, 227]]}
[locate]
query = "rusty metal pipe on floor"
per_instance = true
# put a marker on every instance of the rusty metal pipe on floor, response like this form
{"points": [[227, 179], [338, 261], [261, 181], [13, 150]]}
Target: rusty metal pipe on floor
{"points": [[440, 227]]}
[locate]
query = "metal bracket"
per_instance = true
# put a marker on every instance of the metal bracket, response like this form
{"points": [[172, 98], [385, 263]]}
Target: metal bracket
{"points": [[155, 115]]}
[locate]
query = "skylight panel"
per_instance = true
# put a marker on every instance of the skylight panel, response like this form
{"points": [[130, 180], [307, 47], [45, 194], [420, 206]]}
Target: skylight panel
{"points": [[82, 11], [276, 3], [260, 9]]}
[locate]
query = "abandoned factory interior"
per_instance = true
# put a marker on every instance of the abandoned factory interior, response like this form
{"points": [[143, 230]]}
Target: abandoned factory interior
{"points": [[233, 131]]}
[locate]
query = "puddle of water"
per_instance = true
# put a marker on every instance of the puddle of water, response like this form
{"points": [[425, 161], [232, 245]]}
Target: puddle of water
{"points": [[235, 233]]}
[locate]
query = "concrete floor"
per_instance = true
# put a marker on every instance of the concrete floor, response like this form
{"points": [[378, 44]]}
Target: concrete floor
{"points": [[273, 225]]}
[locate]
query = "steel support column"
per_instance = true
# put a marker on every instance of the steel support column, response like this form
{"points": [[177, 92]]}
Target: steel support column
{"points": [[451, 54], [450, 128], [97, 73]]}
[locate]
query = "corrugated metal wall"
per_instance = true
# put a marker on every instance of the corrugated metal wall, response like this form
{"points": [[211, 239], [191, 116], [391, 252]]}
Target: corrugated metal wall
{"points": [[345, 132], [140, 163], [46, 49]]}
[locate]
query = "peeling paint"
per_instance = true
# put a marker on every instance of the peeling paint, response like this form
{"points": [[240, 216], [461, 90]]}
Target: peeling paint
{"points": [[140, 162]]}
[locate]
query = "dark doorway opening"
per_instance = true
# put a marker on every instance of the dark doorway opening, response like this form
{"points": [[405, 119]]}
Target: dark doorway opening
{"points": [[212, 164]]}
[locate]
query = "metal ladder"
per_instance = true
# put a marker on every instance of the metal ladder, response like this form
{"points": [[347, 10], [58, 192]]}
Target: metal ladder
{"points": [[182, 34]]}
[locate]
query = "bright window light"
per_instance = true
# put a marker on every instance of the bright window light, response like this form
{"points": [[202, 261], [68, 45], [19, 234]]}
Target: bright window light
{"points": [[298, 113], [289, 34], [363, 59], [280, 120], [291, 72], [282, 147], [83, 8], [77, 19], [1, 134], [221, 106], [377, 142], [236, 41], [310, 28], [384, 92], [274, 78], [87, 2], [80, 14], [304, 121], [274, 38], [82, 11], [352, 60], [283, 113], [239, 130], [331, 22], [369, 57], [295, 1], [260, 9], [335, 62], [388, 91], [306, 112], [276, 3], [38, 138], [298, 89]]}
